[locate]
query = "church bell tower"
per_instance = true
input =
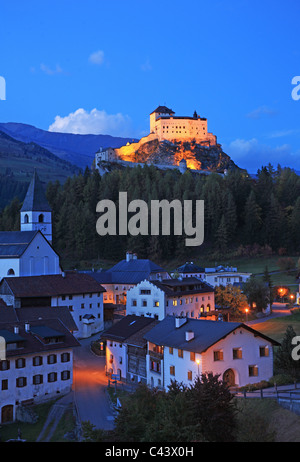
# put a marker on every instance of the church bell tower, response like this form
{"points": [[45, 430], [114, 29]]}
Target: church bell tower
{"points": [[36, 213]]}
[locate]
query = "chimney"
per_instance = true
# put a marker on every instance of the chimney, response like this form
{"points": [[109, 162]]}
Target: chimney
{"points": [[189, 335], [16, 329], [134, 256], [128, 255], [179, 321], [27, 326]]}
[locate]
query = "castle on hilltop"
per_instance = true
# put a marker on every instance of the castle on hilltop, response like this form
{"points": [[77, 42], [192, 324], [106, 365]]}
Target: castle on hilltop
{"points": [[164, 126]]}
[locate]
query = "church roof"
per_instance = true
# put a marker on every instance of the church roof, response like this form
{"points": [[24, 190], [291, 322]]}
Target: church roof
{"points": [[163, 110], [127, 272], [14, 243], [35, 199]]}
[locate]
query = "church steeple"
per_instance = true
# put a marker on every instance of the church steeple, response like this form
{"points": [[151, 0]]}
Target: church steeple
{"points": [[36, 211]]}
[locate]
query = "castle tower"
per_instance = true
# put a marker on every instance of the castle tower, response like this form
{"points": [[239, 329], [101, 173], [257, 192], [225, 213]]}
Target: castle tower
{"points": [[160, 111], [36, 211]]}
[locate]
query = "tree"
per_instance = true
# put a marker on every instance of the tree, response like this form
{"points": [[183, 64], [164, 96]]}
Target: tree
{"points": [[231, 297], [252, 220], [213, 408], [257, 293], [283, 359]]}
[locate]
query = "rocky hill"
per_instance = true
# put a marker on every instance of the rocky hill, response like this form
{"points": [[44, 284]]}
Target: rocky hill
{"points": [[197, 156]]}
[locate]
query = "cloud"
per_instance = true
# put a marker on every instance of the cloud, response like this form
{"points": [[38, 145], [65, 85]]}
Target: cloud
{"points": [[94, 122], [97, 57], [47, 70], [146, 66], [251, 154], [260, 112]]}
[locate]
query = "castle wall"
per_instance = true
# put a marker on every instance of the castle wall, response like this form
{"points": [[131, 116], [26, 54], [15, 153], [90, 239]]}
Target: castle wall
{"points": [[184, 129]]}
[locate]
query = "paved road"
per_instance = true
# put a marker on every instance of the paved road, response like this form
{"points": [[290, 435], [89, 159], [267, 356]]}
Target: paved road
{"points": [[89, 383], [278, 309]]}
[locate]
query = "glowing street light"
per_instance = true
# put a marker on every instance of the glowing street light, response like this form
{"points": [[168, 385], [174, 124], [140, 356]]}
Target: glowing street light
{"points": [[198, 362], [246, 311]]}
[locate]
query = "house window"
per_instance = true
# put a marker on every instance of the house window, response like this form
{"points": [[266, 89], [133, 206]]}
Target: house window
{"points": [[37, 360], [253, 371], [4, 384], [41, 218], [263, 351], [26, 218], [237, 353], [174, 302], [192, 356], [170, 350], [65, 357], [37, 379], [156, 303], [21, 382], [144, 303], [218, 355], [180, 353], [145, 291], [10, 272], [190, 375], [133, 303], [4, 365], [51, 359], [172, 370], [20, 363], [52, 377], [65, 375]]}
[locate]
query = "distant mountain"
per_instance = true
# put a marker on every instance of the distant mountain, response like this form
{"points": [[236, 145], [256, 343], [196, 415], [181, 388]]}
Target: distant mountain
{"points": [[18, 161], [77, 149]]}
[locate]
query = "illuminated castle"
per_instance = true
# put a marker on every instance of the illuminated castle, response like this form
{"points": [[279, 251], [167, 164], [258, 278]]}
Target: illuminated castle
{"points": [[166, 126]]}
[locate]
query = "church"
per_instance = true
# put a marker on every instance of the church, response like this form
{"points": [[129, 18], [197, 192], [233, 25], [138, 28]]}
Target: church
{"points": [[29, 252]]}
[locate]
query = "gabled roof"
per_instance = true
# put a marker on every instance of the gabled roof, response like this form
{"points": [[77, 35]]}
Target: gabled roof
{"points": [[206, 333], [183, 286], [31, 341], [69, 283], [190, 267], [127, 272], [35, 198], [163, 110], [10, 315], [126, 327], [14, 243]]}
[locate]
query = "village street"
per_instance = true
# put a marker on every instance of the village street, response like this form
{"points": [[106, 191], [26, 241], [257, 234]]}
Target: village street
{"points": [[90, 381], [89, 387]]}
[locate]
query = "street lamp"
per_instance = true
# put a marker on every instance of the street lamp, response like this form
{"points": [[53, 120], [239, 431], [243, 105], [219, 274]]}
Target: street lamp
{"points": [[246, 311], [198, 362]]}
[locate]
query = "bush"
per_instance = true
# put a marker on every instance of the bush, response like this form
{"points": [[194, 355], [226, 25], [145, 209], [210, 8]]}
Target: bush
{"points": [[281, 379]]}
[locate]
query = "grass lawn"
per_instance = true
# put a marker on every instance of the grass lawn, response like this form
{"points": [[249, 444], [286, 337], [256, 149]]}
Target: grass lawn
{"points": [[276, 327], [263, 420], [29, 432]]}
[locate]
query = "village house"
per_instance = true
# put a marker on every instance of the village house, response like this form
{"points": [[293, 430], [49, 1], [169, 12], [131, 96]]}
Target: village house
{"points": [[38, 362], [189, 269], [126, 348], [79, 292], [181, 349], [189, 297], [224, 275], [125, 275]]}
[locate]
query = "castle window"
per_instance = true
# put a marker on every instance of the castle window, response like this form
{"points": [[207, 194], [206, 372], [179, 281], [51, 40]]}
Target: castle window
{"points": [[10, 272], [41, 218], [26, 219]]}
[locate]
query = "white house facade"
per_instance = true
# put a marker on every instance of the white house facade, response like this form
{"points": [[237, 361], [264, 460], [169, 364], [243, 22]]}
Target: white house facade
{"points": [[180, 349], [38, 364], [189, 297]]}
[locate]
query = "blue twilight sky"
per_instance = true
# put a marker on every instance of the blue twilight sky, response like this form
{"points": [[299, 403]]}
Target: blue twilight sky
{"points": [[98, 66]]}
